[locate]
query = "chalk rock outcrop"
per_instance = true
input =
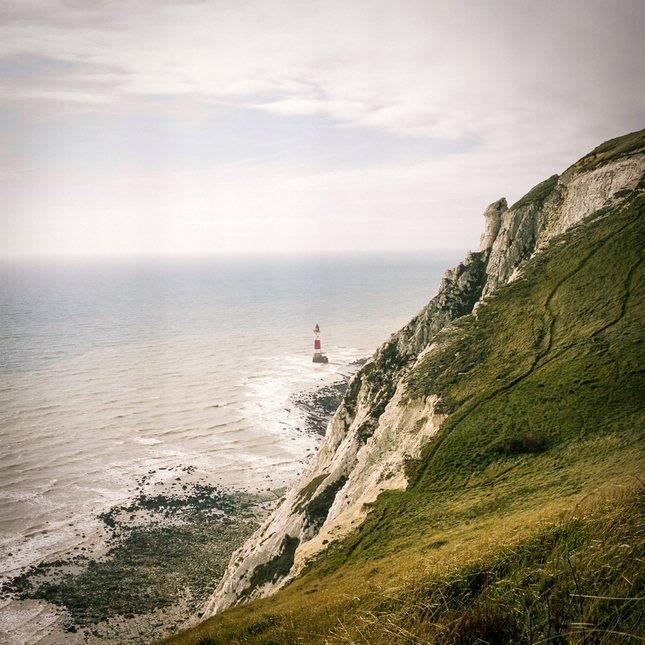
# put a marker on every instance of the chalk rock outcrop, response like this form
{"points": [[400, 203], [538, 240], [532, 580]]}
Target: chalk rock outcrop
{"points": [[558, 203], [493, 216], [376, 428]]}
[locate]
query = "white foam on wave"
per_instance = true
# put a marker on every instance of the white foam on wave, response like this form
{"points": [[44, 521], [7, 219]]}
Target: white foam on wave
{"points": [[59, 538], [148, 441]]}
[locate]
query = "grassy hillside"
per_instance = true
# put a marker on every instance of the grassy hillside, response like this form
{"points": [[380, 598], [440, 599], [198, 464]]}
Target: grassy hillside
{"points": [[524, 520]]}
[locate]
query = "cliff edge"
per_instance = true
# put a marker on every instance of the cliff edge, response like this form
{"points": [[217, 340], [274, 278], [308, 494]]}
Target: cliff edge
{"points": [[387, 419]]}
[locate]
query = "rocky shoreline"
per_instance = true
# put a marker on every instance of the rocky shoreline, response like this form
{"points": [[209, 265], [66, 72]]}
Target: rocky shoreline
{"points": [[165, 552], [164, 556], [320, 405]]}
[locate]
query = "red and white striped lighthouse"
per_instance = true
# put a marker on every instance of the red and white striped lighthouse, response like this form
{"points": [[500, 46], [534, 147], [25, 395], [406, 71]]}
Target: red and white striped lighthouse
{"points": [[319, 357]]}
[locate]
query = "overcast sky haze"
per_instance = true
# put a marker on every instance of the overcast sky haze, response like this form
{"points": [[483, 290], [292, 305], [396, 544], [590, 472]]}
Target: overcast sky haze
{"points": [[187, 127]]}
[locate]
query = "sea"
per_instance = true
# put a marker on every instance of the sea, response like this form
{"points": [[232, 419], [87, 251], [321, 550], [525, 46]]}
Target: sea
{"points": [[114, 373]]}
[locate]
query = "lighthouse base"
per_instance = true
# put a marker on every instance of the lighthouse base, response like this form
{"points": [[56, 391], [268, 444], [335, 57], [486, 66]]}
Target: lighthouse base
{"points": [[319, 358]]}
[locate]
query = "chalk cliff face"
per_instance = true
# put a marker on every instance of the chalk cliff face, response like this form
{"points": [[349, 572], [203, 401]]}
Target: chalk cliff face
{"points": [[377, 428]]}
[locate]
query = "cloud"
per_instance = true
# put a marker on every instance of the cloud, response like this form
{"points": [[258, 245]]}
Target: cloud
{"points": [[413, 67], [334, 111]]}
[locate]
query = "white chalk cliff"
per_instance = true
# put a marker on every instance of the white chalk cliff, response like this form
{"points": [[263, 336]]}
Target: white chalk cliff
{"points": [[374, 432]]}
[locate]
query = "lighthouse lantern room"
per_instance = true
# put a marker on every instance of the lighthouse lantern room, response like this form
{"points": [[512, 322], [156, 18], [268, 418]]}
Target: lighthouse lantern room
{"points": [[319, 357]]}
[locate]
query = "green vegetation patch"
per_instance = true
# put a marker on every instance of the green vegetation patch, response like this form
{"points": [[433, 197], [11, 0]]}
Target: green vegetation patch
{"points": [[526, 444], [305, 494], [316, 510], [610, 151], [276, 568], [557, 354]]}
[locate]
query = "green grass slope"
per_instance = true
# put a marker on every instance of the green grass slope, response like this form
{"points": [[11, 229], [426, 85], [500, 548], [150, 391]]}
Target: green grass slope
{"points": [[524, 519]]}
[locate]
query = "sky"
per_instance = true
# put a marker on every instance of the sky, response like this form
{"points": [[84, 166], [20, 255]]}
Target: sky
{"points": [[232, 127]]}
